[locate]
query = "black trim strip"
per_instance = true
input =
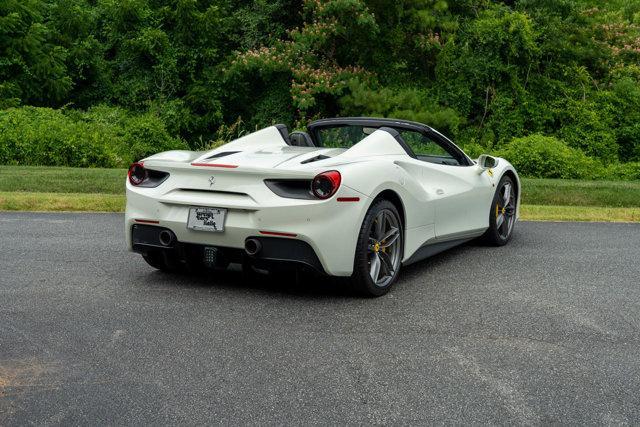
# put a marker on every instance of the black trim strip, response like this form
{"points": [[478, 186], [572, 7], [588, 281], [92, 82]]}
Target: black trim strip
{"points": [[429, 250], [154, 178], [222, 154], [315, 159], [291, 188], [203, 190], [276, 249]]}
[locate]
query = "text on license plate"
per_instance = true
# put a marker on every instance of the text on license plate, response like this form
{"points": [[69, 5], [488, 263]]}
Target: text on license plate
{"points": [[206, 219]]}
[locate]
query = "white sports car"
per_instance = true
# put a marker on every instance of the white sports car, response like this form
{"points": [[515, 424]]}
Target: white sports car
{"points": [[352, 197]]}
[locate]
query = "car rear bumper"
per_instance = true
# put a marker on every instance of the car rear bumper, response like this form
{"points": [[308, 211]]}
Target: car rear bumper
{"points": [[145, 238], [329, 228]]}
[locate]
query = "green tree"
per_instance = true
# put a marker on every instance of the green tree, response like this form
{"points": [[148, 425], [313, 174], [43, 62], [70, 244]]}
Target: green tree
{"points": [[32, 65]]}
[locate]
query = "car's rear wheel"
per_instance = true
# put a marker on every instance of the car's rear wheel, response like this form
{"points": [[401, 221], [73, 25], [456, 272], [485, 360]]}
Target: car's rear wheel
{"points": [[163, 260], [502, 217], [379, 250]]}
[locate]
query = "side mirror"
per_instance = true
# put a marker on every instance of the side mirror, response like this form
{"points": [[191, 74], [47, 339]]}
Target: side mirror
{"points": [[485, 162]]}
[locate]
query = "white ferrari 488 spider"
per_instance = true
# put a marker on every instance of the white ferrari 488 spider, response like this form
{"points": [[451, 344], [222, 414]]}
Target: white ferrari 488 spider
{"points": [[351, 197]]}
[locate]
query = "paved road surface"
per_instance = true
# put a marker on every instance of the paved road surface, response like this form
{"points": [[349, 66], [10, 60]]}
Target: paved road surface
{"points": [[546, 329]]}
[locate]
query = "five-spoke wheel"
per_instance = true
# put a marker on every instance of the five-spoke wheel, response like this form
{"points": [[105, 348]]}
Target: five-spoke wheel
{"points": [[379, 252], [384, 250], [502, 217]]}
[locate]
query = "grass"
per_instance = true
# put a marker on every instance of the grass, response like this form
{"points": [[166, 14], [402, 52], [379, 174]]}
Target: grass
{"points": [[61, 202], [558, 192], [579, 213], [62, 180], [102, 190]]}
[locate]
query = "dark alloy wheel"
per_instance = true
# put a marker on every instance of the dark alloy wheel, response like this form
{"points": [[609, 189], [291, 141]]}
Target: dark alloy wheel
{"points": [[502, 217], [379, 250]]}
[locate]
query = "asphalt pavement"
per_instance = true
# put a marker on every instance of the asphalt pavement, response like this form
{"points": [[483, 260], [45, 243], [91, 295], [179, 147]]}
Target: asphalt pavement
{"points": [[543, 330]]}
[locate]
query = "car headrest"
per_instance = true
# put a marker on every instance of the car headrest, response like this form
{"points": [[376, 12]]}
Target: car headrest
{"points": [[300, 139]]}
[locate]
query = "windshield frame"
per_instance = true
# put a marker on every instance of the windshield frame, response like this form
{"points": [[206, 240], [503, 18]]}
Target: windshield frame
{"points": [[317, 125]]}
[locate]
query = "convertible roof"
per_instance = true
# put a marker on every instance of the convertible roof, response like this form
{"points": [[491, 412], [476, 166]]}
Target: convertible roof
{"points": [[368, 121], [391, 126]]}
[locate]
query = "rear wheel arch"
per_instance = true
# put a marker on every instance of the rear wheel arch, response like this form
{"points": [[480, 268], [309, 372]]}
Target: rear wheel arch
{"points": [[394, 198]]}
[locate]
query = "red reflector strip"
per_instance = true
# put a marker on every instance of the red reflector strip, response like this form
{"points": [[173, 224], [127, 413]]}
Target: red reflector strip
{"points": [[214, 165], [147, 221], [275, 233], [348, 199]]}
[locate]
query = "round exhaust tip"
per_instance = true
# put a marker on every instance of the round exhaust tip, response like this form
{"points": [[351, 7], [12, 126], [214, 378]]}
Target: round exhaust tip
{"points": [[165, 237], [252, 246]]}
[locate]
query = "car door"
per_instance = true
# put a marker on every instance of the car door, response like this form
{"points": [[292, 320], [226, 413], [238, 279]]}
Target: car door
{"points": [[461, 195]]}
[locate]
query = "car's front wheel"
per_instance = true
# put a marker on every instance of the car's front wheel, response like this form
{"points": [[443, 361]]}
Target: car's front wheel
{"points": [[379, 250], [502, 217]]}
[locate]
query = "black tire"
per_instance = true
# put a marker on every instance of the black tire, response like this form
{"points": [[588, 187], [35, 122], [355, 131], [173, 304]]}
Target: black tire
{"points": [[163, 260], [500, 231], [361, 278]]}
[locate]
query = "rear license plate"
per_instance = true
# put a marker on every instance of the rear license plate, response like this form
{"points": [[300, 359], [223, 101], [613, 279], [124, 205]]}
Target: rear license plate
{"points": [[206, 219]]}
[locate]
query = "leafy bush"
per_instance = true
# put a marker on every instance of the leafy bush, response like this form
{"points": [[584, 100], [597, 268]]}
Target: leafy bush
{"points": [[474, 150], [540, 156], [101, 137], [587, 126], [623, 171]]}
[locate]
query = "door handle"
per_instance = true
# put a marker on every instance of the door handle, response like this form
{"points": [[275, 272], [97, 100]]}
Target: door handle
{"points": [[439, 191]]}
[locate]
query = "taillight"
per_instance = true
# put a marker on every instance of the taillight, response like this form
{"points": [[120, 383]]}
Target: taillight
{"points": [[326, 184], [137, 174]]}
